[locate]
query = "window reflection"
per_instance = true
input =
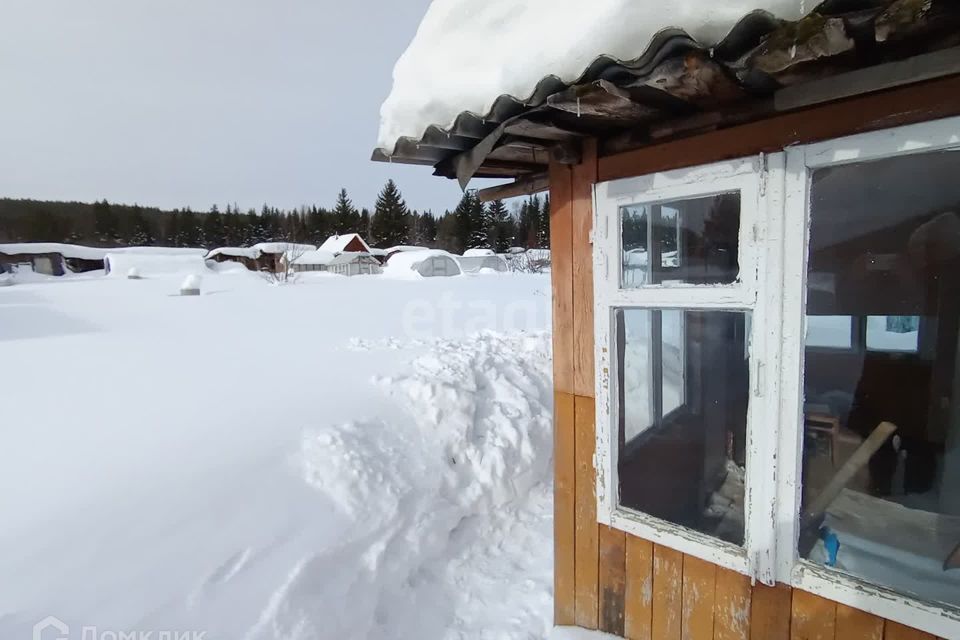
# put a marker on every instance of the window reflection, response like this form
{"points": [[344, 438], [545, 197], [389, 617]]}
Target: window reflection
{"points": [[691, 241], [884, 276], [683, 390]]}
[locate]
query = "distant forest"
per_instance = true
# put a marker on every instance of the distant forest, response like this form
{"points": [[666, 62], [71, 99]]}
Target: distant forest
{"points": [[472, 224]]}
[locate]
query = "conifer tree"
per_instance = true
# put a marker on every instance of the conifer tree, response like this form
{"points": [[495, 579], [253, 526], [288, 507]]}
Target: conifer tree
{"points": [[388, 226], [499, 227], [345, 215]]}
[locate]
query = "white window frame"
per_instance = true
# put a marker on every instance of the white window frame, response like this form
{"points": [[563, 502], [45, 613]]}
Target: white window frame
{"points": [[760, 215], [831, 584]]}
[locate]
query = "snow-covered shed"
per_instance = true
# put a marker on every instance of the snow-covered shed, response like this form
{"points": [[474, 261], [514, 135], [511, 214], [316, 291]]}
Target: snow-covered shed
{"points": [[249, 257], [774, 179], [51, 258], [276, 256], [428, 263]]}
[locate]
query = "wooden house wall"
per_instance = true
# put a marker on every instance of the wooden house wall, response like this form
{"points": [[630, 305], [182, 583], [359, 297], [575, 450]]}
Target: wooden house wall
{"points": [[606, 579]]}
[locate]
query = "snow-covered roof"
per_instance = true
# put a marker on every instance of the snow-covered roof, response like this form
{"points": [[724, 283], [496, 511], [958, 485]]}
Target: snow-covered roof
{"points": [[318, 256], [66, 250], [443, 72], [153, 263], [236, 252], [282, 247], [405, 247], [336, 244], [349, 256], [164, 251], [410, 259], [476, 253]]}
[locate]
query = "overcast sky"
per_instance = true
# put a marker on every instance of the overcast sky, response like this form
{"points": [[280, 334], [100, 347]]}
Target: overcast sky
{"points": [[196, 102]]}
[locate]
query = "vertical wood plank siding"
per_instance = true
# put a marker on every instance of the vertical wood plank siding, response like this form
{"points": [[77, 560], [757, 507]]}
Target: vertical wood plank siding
{"points": [[812, 617], [638, 593], [587, 533], [613, 567], [626, 585], [564, 525], [853, 624]]}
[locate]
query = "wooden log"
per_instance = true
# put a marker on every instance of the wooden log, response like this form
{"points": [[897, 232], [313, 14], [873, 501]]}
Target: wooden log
{"points": [[525, 186]]}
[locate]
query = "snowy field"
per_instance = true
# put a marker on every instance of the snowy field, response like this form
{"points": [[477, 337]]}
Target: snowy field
{"points": [[334, 458]]}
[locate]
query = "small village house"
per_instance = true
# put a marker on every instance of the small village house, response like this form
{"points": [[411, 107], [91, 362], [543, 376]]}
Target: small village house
{"points": [[755, 244], [345, 242], [347, 263]]}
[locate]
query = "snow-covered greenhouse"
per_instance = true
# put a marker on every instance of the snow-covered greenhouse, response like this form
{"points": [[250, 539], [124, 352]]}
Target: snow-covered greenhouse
{"points": [[755, 239]]}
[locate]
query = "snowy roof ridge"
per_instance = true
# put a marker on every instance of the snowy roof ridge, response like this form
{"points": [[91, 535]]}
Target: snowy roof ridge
{"points": [[727, 36], [338, 242]]}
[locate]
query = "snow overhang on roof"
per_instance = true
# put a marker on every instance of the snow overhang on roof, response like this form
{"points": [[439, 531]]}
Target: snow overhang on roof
{"points": [[628, 101]]}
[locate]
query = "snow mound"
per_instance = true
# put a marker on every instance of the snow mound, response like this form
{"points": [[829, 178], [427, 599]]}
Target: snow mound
{"points": [[415, 264], [450, 66], [149, 264], [475, 253], [450, 504]]}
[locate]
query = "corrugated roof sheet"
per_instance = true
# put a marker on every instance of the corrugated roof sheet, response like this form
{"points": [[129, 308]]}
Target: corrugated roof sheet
{"points": [[675, 77]]}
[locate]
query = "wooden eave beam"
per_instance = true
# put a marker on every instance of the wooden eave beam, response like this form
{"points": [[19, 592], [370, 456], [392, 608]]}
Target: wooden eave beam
{"points": [[528, 185]]}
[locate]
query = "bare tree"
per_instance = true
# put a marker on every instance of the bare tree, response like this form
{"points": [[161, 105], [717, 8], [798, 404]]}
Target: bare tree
{"points": [[529, 261], [285, 274]]}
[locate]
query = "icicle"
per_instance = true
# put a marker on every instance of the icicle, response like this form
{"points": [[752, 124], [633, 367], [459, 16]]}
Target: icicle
{"points": [[578, 106]]}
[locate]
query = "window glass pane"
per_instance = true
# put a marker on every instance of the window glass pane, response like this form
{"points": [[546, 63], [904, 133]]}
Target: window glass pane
{"points": [[693, 241], [893, 333], [885, 250], [683, 384], [830, 332]]}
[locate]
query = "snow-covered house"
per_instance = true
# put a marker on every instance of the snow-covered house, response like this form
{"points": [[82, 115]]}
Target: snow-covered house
{"points": [[346, 263], [345, 242], [754, 243]]}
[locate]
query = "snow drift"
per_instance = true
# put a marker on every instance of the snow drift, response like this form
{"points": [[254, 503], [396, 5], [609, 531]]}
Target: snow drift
{"points": [[450, 66], [445, 506], [149, 264]]}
